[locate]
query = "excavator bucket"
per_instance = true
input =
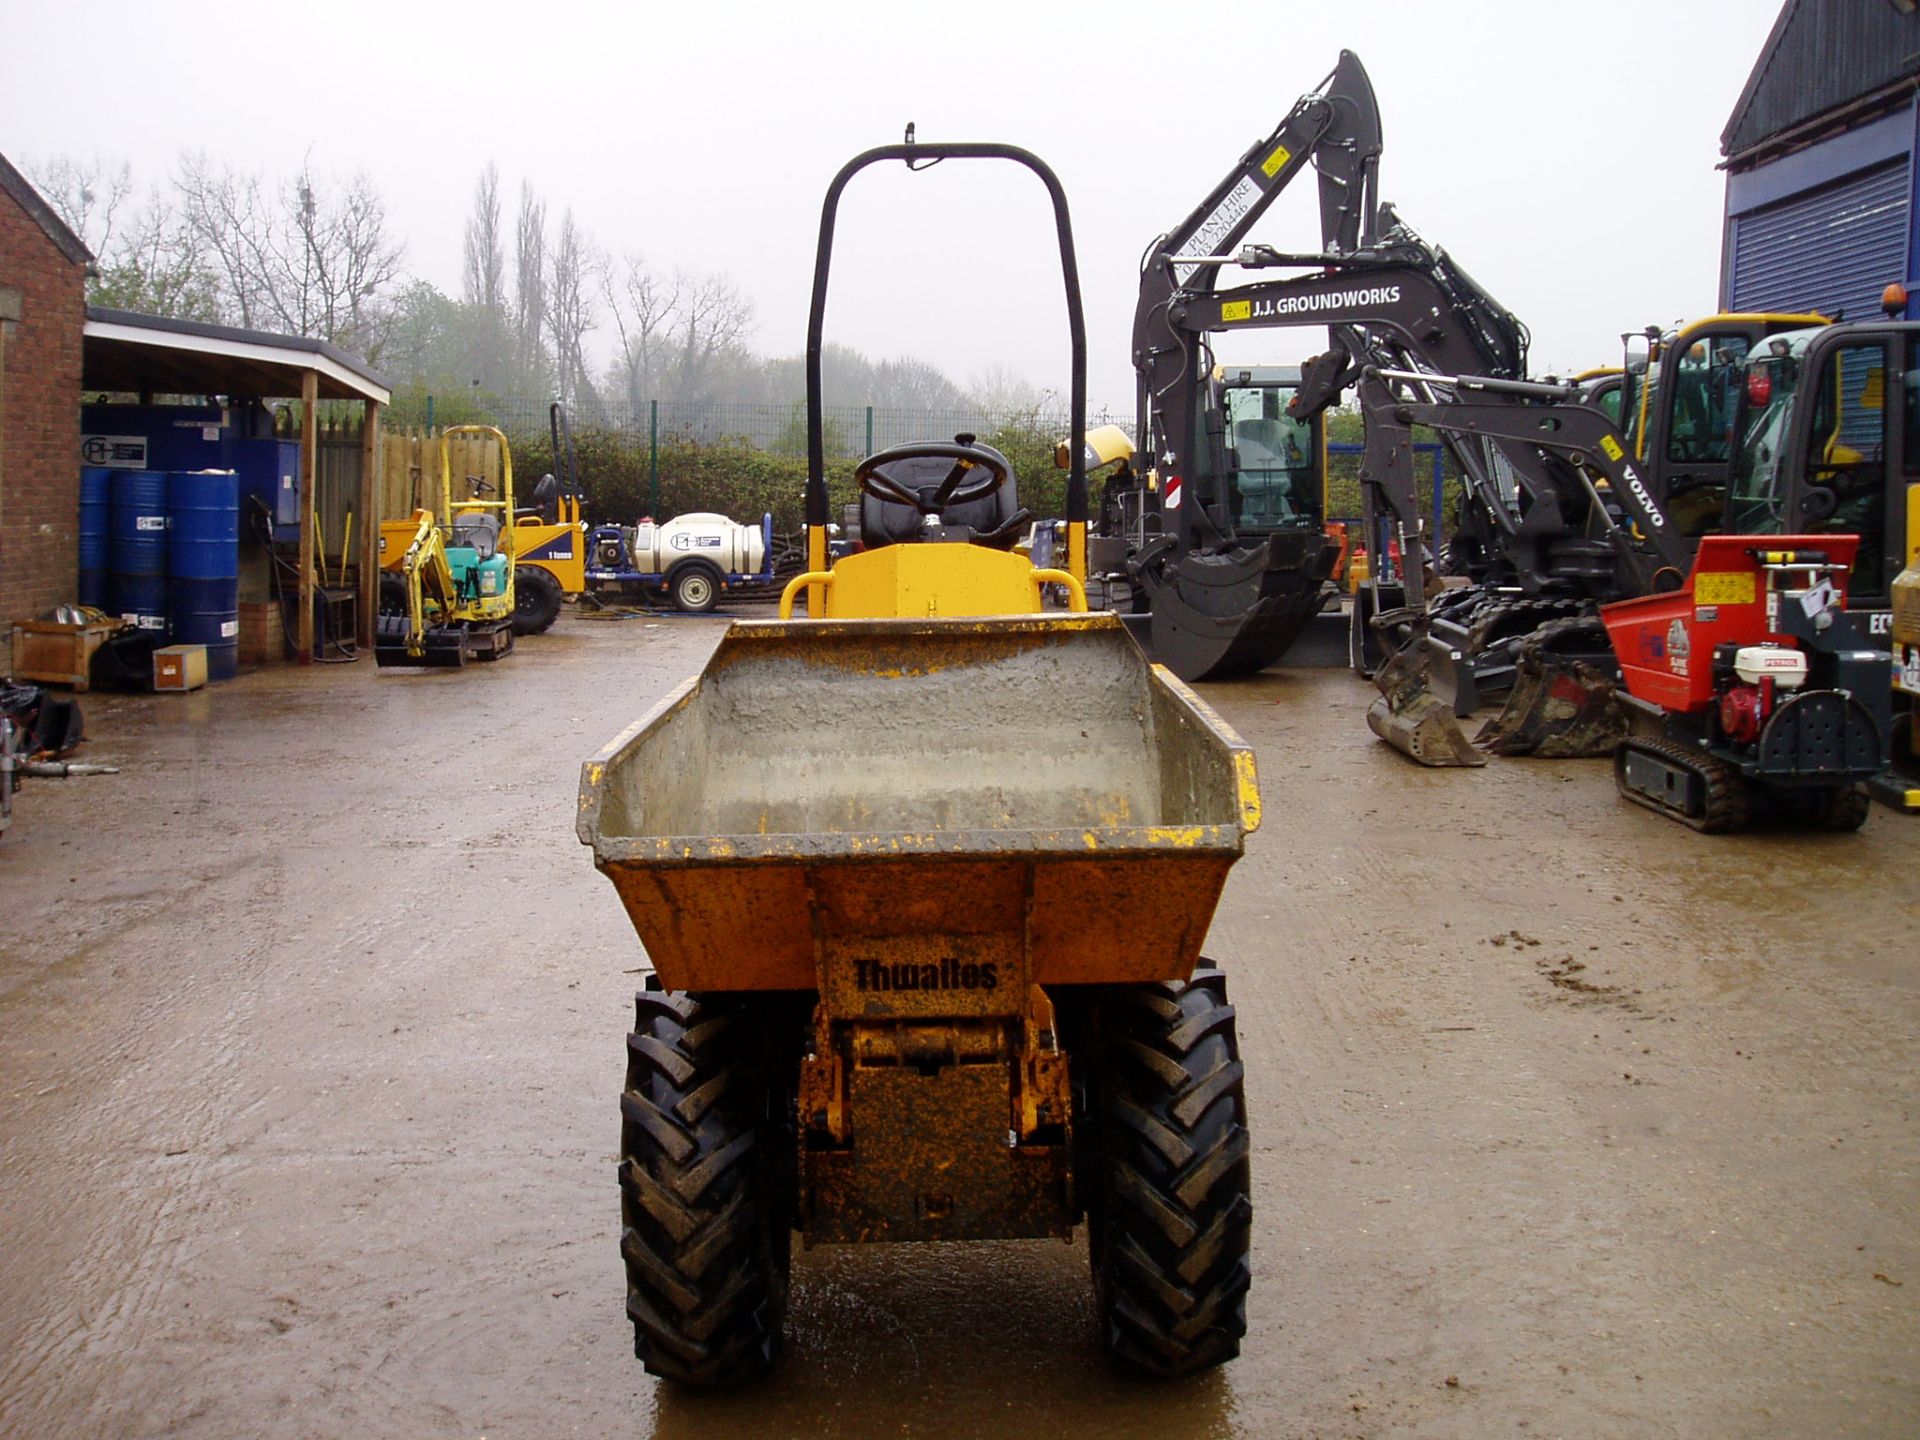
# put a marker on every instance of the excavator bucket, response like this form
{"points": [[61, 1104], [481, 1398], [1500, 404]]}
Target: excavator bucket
{"points": [[1409, 715], [1562, 705], [1215, 616], [443, 647]]}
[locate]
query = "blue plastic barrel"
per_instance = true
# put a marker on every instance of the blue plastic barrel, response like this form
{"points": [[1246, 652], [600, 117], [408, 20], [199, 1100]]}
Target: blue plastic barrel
{"points": [[207, 612], [137, 547], [139, 598], [96, 499], [203, 525]]}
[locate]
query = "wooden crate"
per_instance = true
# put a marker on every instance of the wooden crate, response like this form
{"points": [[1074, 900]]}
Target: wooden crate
{"points": [[180, 667], [51, 653]]}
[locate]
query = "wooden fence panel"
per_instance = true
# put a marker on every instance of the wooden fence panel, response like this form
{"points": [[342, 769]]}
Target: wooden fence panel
{"points": [[410, 469]]}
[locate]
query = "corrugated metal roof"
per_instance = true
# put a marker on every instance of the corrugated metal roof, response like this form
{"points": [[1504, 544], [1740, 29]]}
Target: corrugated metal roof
{"points": [[1823, 57]]}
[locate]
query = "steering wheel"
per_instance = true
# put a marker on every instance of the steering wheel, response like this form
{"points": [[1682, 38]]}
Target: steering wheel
{"points": [[961, 486]]}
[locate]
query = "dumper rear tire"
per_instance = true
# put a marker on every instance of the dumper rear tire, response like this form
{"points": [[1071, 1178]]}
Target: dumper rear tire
{"points": [[704, 1231], [1169, 1212]]}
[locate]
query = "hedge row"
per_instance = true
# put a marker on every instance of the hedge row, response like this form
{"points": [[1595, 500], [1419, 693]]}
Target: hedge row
{"points": [[737, 480]]}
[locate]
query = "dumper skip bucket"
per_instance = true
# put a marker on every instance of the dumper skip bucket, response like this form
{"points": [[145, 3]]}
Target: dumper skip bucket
{"points": [[882, 777]]}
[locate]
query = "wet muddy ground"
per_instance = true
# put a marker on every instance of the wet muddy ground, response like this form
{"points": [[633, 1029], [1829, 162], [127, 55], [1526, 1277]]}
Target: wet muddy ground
{"points": [[1569, 1122]]}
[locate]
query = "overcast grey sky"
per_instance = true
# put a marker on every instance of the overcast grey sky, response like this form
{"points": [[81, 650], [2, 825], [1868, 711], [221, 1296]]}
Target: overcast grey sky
{"points": [[1564, 154]]}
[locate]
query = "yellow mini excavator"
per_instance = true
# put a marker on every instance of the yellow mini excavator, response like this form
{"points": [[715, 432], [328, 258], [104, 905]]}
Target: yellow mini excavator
{"points": [[447, 593]]}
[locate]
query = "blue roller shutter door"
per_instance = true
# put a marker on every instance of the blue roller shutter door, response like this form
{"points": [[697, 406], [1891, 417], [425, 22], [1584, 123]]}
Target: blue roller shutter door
{"points": [[1832, 250]]}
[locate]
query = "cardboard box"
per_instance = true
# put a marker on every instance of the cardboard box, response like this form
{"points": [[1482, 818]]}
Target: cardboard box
{"points": [[180, 667], [51, 653]]}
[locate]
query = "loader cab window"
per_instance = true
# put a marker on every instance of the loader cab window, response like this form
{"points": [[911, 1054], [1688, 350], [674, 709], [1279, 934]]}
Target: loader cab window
{"points": [[1756, 498], [1705, 382], [1846, 491], [1910, 415], [1277, 479], [1605, 396]]}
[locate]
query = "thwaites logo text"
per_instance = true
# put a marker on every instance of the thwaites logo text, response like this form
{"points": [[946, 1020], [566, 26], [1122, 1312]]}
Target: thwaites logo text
{"points": [[1266, 307], [949, 974]]}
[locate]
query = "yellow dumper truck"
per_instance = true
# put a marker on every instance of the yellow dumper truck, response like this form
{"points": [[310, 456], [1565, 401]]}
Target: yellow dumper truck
{"points": [[924, 878]]}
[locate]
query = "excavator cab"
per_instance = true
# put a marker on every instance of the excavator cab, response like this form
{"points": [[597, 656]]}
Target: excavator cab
{"points": [[1277, 463]]}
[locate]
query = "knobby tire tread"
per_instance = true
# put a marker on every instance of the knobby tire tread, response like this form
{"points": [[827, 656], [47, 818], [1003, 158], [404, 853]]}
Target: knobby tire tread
{"points": [[1174, 1216], [704, 1245]]}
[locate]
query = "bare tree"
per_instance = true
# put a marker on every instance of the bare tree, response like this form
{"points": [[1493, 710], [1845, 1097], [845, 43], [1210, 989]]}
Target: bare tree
{"points": [[346, 264], [913, 384], [485, 257], [146, 256], [485, 283], [89, 195], [712, 319], [1000, 390], [572, 280], [156, 266], [531, 370], [644, 308], [310, 257], [226, 216]]}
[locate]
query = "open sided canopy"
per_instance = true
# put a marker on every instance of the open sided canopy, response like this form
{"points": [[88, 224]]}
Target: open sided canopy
{"points": [[127, 353]]}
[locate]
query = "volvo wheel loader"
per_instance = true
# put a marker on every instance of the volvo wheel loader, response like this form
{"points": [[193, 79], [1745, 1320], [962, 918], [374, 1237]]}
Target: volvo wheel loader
{"points": [[924, 877], [447, 591]]}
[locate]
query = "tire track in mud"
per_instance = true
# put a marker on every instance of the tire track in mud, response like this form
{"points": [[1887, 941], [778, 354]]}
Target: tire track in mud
{"points": [[113, 1166], [1497, 996]]}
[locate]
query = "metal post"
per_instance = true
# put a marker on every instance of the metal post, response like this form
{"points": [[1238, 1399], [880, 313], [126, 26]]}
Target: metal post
{"points": [[429, 412], [653, 455], [869, 449]]}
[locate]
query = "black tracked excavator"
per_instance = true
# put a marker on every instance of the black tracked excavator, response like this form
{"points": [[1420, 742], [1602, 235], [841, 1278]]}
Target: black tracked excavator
{"points": [[1227, 581]]}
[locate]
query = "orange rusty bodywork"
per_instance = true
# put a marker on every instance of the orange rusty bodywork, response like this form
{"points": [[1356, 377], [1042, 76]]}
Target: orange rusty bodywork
{"points": [[925, 824]]}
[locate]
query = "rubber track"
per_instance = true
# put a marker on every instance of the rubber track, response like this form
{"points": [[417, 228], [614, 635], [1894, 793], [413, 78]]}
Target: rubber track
{"points": [[706, 1284], [1727, 806], [1172, 1271], [1846, 808]]}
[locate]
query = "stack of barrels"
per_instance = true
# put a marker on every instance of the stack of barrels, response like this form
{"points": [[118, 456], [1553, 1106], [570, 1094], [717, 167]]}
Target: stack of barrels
{"points": [[163, 550]]}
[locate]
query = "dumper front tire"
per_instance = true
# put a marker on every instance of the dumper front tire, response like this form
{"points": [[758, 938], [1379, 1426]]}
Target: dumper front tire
{"points": [[536, 600], [704, 1234], [1169, 1211]]}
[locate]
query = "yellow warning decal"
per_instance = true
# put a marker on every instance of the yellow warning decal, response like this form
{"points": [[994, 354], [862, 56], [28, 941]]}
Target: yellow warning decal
{"points": [[1279, 157], [1611, 446], [1732, 587], [1236, 310]]}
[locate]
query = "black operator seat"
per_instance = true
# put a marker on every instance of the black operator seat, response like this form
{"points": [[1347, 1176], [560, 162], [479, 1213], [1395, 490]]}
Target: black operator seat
{"points": [[996, 519]]}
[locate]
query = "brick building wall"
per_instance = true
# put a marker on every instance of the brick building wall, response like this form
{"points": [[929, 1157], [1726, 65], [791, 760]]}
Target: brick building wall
{"points": [[39, 415]]}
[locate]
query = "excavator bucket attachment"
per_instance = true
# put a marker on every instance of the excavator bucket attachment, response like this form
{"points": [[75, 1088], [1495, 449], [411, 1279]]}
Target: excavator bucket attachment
{"points": [[443, 647], [1409, 715], [1562, 705], [1215, 616]]}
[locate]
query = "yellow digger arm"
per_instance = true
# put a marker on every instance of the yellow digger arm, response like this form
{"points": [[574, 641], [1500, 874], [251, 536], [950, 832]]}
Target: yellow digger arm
{"points": [[424, 568]]}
